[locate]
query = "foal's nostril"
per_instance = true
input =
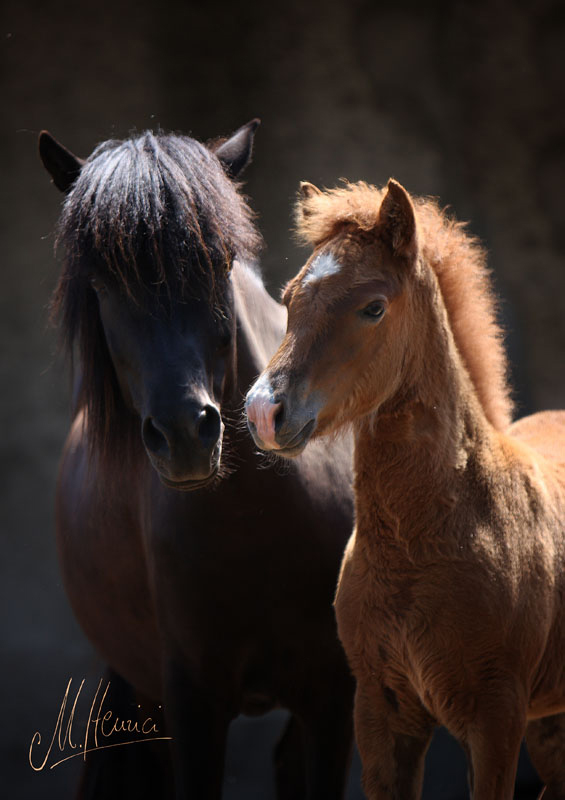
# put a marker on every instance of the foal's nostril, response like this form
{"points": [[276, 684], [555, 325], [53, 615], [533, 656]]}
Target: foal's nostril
{"points": [[209, 426], [153, 438]]}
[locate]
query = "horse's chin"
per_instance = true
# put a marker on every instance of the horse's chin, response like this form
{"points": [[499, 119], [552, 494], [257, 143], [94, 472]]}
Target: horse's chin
{"points": [[296, 444], [289, 452], [183, 482], [190, 484]]}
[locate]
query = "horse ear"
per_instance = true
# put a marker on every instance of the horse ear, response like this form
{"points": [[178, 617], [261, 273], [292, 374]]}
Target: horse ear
{"points": [[60, 163], [397, 220], [235, 153], [307, 190]]}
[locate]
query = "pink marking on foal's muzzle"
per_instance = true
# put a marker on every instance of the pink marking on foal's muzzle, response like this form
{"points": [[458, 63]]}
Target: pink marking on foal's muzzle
{"points": [[261, 412]]}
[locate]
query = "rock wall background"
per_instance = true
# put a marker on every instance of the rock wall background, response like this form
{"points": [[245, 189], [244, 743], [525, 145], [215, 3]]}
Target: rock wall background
{"points": [[464, 100]]}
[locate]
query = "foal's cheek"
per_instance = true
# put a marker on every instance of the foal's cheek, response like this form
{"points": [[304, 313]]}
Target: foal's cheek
{"points": [[348, 360]]}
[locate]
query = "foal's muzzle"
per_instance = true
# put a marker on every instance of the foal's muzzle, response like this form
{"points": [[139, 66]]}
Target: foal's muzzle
{"points": [[274, 424]]}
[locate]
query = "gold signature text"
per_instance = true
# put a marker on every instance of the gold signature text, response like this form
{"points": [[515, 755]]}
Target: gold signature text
{"points": [[102, 727]]}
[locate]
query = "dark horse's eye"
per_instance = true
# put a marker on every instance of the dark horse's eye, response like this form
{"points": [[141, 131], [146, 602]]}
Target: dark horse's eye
{"points": [[225, 340], [97, 283], [374, 311]]}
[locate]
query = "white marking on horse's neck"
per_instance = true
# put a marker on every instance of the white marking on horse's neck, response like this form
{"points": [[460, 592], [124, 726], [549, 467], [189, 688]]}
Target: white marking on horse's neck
{"points": [[322, 266]]}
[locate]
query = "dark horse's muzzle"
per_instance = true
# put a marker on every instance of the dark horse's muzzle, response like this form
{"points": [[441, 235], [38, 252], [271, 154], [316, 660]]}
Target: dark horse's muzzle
{"points": [[185, 447]]}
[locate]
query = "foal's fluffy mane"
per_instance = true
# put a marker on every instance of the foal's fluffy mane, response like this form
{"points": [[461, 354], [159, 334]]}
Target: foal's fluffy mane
{"points": [[460, 266]]}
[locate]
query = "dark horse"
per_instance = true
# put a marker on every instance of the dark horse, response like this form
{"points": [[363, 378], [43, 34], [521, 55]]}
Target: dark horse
{"points": [[205, 583]]}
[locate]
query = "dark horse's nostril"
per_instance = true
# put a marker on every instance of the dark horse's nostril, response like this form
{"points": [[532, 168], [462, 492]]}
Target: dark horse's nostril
{"points": [[279, 417], [209, 426], [155, 441]]}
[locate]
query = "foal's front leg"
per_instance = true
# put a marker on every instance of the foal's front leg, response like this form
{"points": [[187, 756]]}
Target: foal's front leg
{"points": [[393, 734], [492, 740], [198, 720], [545, 739]]}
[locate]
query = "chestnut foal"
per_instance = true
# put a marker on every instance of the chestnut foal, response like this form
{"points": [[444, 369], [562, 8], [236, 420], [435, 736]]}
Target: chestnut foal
{"points": [[451, 598]]}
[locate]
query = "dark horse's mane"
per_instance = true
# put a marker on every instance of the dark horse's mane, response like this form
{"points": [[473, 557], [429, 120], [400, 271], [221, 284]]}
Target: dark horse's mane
{"points": [[157, 216]]}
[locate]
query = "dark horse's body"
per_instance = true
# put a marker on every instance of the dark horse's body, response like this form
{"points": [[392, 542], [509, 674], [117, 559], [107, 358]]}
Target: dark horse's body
{"points": [[216, 601]]}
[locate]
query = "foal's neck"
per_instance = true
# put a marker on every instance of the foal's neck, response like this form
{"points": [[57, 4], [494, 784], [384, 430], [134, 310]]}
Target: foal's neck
{"points": [[413, 453]]}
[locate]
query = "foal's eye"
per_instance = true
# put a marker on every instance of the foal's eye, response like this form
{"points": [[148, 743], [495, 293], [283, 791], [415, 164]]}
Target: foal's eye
{"points": [[374, 311]]}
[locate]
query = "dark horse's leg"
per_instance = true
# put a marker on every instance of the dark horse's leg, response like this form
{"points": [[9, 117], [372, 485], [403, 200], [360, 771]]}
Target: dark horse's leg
{"points": [[313, 754], [290, 769], [328, 738], [140, 771], [315, 751], [545, 739], [197, 719]]}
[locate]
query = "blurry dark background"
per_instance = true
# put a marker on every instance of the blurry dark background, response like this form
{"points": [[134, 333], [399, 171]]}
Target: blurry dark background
{"points": [[463, 100]]}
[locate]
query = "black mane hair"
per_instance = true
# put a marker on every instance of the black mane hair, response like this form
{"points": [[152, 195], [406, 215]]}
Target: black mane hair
{"points": [[157, 215]]}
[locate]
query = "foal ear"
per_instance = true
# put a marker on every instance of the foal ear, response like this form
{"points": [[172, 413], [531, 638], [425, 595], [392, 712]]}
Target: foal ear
{"points": [[60, 163], [306, 191], [235, 153], [397, 220]]}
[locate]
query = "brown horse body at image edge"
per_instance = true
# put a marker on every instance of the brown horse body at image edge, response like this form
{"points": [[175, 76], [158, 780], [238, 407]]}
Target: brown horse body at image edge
{"points": [[451, 599]]}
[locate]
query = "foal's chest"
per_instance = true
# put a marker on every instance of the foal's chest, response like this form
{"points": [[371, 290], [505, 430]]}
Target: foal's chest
{"points": [[399, 622], [379, 608]]}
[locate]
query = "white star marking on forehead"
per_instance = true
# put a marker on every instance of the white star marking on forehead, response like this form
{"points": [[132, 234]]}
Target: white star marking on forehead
{"points": [[322, 266]]}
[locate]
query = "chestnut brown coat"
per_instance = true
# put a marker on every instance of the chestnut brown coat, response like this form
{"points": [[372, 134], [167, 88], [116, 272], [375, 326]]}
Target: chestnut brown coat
{"points": [[451, 600]]}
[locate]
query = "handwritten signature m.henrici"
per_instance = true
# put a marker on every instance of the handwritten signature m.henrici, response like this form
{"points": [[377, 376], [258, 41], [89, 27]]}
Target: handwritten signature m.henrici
{"points": [[102, 727]]}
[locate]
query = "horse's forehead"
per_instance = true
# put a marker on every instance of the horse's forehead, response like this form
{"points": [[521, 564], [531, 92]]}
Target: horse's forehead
{"points": [[343, 257], [322, 280], [322, 266], [189, 306], [342, 268]]}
